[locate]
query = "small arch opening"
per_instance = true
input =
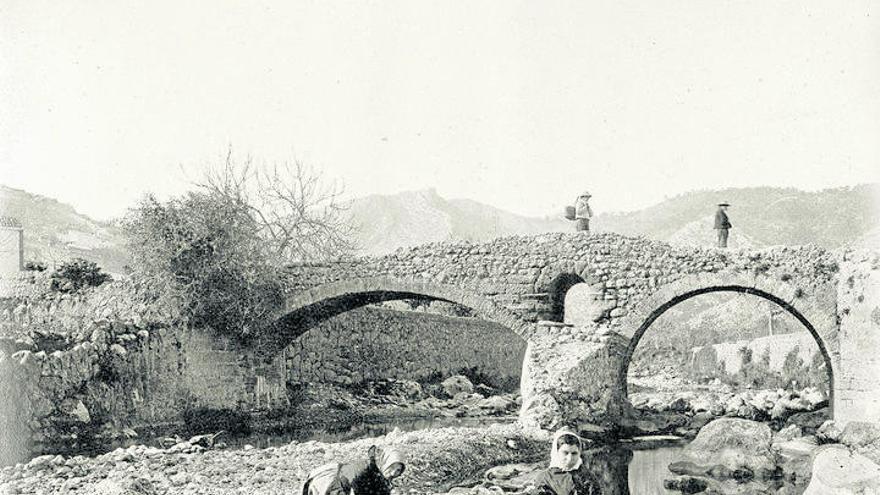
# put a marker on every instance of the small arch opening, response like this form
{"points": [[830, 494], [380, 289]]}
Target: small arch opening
{"points": [[556, 289]]}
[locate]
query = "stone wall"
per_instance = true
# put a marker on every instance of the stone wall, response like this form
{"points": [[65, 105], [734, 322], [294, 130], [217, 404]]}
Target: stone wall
{"points": [[729, 357], [858, 375], [123, 376], [376, 343], [518, 273]]}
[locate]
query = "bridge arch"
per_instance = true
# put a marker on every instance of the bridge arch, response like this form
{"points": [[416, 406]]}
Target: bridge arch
{"points": [[306, 309], [815, 312]]}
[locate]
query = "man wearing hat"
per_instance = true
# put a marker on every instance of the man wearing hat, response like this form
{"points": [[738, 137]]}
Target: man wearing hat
{"points": [[582, 212], [722, 224]]}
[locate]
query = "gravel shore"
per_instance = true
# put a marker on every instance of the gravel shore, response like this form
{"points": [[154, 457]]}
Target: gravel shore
{"points": [[438, 459]]}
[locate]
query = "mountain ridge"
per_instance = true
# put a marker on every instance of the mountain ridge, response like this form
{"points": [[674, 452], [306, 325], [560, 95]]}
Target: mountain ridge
{"points": [[761, 216]]}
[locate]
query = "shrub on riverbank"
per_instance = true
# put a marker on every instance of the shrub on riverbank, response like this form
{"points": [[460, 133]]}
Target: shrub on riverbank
{"points": [[200, 420], [77, 273]]}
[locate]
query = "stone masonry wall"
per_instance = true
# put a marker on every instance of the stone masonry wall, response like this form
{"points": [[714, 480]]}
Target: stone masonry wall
{"points": [[375, 343], [569, 377], [518, 272], [857, 397], [728, 356], [122, 376]]}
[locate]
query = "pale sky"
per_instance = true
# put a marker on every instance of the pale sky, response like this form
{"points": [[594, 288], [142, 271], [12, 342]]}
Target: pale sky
{"points": [[520, 105]]}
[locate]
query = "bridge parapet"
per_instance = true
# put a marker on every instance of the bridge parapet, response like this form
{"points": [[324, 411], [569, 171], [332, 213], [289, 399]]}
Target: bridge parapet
{"points": [[523, 273]]}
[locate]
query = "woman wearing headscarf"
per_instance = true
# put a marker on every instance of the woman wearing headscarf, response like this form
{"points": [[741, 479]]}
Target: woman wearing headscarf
{"points": [[336, 479], [566, 474]]}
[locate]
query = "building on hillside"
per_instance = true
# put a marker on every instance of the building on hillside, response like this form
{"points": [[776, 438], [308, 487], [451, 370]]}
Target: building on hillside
{"points": [[11, 246]]}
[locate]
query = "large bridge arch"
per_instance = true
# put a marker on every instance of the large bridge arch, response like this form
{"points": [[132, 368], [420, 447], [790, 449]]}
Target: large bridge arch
{"points": [[816, 312], [306, 309]]}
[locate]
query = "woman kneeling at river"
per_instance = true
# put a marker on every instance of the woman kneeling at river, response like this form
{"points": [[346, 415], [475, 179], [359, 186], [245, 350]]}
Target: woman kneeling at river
{"points": [[370, 476]]}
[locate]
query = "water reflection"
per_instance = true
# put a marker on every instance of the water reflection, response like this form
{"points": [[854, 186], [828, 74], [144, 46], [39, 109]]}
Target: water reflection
{"points": [[648, 469], [624, 470], [610, 468]]}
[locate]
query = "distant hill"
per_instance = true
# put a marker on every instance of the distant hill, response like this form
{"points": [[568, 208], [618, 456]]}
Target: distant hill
{"points": [[385, 223], [761, 216], [54, 231]]}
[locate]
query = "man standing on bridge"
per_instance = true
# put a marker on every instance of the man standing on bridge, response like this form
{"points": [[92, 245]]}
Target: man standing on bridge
{"points": [[582, 212], [722, 224]]}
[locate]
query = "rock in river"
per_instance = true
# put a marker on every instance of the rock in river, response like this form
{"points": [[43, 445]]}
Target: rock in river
{"points": [[729, 448]]}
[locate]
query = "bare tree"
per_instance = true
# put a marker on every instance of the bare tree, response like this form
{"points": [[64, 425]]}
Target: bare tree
{"points": [[53, 251], [299, 214]]}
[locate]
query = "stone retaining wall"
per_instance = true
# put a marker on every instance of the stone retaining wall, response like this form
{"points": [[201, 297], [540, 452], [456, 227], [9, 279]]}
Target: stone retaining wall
{"points": [[376, 343], [729, 357], [122, 376], [858, 300]]}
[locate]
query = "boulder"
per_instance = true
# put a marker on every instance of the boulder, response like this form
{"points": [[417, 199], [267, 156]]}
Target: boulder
{"points": [[731, 407], [680, 405], [497, 404], [457, 384], [864, 438], [541, 411], [809, 421], [813, 396], [829, 432], [650, 423], [136, 486], [779, 410], [407, 389], [733, 447], [839, 471], [700, 404], [701, 419], [797, 447], [859, 434], [748, 411], [75, 409], [790, 432]]}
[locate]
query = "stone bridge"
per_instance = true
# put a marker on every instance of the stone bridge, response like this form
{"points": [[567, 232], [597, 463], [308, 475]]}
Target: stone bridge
{"points": [[582, 302]]}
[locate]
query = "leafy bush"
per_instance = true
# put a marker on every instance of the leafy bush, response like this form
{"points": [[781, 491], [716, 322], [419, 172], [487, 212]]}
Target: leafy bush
{"points": [[76, 274], [202, 253], [35, 266], [476, 376], [217, 253], [201, 420], [795, 374]]}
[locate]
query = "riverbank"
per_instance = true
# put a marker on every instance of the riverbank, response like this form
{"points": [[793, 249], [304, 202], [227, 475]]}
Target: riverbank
{"points": [[438, 460]]}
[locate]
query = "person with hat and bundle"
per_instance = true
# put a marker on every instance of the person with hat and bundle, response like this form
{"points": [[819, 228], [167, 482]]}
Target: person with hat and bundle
{"points": [[582, 212], [722, 224]]}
